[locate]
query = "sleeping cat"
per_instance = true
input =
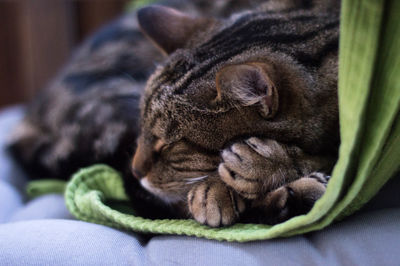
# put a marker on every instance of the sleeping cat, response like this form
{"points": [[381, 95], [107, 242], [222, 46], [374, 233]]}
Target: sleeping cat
{"points": [[238, 122]]}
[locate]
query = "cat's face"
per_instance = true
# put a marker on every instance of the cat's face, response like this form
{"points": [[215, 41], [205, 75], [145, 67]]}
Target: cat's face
{"points": [[223, 85]]}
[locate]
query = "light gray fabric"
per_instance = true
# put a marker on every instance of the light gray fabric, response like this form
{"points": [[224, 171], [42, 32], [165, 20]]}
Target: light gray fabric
{"points": [[41, 232], [10, 201], [8, 171], [368, 239], [12, 181], [65, 242], [371, 239], [44, 207]]}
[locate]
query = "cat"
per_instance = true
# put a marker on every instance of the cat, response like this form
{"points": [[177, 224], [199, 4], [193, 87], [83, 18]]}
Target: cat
{"points": [[238, 122], [261, 88]]}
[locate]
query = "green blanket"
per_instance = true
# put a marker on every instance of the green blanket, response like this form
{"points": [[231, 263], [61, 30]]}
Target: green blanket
{"points": [[369, 100]]}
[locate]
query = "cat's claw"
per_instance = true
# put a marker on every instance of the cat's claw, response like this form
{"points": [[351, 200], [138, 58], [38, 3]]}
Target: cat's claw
{"points": [[214, 204]]}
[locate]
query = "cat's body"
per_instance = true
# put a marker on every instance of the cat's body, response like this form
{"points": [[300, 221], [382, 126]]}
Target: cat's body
{"points": [[105, 79], [209, 146]]}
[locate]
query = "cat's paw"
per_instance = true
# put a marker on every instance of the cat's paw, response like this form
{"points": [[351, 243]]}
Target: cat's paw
{"points": [[254, 166], [214, 204], [295, 198], [320, 177]]}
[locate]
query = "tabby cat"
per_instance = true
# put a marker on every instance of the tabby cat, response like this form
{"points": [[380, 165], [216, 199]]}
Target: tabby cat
{"points": [[239, 120]]}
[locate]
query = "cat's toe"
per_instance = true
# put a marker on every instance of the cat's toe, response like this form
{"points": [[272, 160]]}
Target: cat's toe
{"points": [[278, 205], [214, 204], [320, 177], [295, 198], [246, 187], [239, 172]]}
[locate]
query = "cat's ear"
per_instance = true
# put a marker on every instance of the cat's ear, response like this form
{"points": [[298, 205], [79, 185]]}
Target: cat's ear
{"points": [[169, 28], [249, 84]]}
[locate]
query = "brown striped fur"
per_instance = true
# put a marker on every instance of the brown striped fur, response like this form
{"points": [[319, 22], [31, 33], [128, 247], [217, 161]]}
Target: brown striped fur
{"points": [[208, 100], [238, 117]]}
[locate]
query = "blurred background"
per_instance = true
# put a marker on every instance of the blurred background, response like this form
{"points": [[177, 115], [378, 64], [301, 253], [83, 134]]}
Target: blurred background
{"points": [[38, 36]]}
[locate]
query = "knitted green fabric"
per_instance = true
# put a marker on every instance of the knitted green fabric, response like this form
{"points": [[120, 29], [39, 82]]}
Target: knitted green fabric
{"points": [[369, 102], [45, 186]]}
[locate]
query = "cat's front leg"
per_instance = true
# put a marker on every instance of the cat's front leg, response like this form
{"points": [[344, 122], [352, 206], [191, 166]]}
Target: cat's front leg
{"points": [[211, 202], [254, 166]]}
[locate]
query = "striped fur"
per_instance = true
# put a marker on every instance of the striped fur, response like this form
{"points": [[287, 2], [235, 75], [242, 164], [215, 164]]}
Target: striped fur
{"points": [[298, 38], [182, 106], [90, 112]]}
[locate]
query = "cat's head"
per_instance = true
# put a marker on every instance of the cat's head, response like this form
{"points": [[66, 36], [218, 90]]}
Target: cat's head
{"points": [[223, 80]]}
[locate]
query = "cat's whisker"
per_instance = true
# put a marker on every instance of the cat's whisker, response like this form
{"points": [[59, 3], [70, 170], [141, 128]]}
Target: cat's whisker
{"points": [[129, 76], [195, 179]]}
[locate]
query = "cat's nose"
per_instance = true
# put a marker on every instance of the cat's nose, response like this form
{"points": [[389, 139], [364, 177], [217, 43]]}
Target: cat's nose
{"points": [[136, 173], [141, 161]]}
